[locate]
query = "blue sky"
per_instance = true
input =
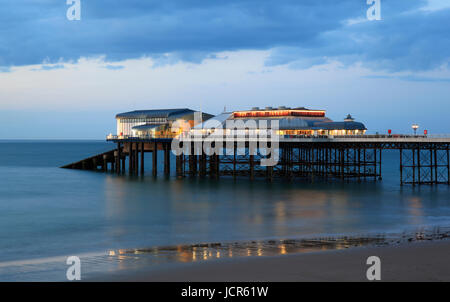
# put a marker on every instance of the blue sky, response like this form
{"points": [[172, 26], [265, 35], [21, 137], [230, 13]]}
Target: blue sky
{"points": [[67, 79]]}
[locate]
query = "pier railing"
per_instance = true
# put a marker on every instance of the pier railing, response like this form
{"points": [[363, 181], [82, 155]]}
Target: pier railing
{"points": [[256, 135], [111, 137]]}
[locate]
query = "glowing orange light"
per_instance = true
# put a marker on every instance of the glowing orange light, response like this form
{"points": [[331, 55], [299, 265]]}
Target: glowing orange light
{"points": [[279, 113]]}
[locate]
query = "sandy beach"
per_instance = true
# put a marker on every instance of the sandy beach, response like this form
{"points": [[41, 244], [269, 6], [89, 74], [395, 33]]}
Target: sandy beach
{"points": [[417, 261]]}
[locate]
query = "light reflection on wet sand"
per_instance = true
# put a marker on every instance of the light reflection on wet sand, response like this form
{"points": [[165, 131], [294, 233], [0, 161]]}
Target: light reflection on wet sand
{"points": [[210, 251], [101, 265]]}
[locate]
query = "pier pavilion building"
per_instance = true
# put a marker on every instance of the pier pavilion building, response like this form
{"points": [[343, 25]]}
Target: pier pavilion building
{"points": [[298, 121]]}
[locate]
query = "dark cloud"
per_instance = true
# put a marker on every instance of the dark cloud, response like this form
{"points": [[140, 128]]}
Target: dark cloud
{"points": [[301, 32]]}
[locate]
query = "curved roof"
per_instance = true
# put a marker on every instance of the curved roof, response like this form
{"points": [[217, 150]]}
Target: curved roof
{"points": [[340, 126], [158, 113], [287, 123], [292, 123]]}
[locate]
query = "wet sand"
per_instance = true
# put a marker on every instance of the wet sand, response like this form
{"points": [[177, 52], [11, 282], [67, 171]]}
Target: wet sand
{"points": [[415, 261]]}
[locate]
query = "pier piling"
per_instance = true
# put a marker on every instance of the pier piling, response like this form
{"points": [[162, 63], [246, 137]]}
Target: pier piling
{"points": [[422, 161], [166, 159], [142, 158], [155, 159]]}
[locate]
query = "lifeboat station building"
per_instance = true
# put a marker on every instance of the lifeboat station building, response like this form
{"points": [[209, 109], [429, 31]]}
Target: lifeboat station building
{"points": [[160, 123]]}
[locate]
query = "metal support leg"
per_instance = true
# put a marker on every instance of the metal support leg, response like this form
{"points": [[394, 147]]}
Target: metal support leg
{"points": [[136, 159], [419, 166], [401, 167], [119, 156], [179, 168], [448, 165], [252, 168], [167, 159], [155, 159], [130, 159], [380, 165], [436, 175], [142, 158]]}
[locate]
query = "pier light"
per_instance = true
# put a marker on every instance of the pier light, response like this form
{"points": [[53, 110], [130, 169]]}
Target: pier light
{"points": [[415, 127]]}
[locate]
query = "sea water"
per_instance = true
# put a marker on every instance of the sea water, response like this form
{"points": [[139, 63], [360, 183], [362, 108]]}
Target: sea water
{"points": [[48, 213]]}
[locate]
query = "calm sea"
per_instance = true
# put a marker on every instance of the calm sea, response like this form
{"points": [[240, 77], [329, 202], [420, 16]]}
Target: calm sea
{"points": [[48, 213]]}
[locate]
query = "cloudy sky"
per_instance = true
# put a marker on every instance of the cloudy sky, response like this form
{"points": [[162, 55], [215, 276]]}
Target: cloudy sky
{"points": [[67, 79]]}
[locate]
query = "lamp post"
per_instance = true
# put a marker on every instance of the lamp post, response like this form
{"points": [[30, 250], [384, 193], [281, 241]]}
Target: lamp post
{"points": [[415, 127]]}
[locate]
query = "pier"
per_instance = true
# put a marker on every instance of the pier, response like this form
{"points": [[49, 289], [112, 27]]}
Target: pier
{"points": [[306, 144], [423, 160]]}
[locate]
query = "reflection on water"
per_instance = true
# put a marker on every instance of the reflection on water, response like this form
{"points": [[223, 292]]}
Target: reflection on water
{"points": [[197, 252], [201, 252], [46, 212], [210, 251], [101, 266], [415, 210], [168, 212], [146, 259]]}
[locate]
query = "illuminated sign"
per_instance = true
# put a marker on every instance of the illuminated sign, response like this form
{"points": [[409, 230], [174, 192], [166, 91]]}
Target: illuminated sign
{"points": [[279, 113]]}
